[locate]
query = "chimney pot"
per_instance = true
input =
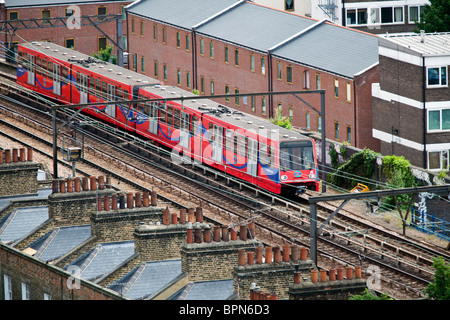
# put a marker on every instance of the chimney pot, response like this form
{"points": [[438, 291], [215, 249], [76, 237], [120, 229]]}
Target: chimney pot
{"points": [[166, 217], [225, 233], [241, 257], [358, 272], [198, 235], [233, 234], [199, 214], [190, 236], [154, 199], [101, 182], [277, 254], [55, 186], [30, 154], [114, 202], [145, 199], [1, 156], [314, 276], [137, 199], [268, 254], [243, 232], [77, 184], [297, 277], [69, 185], [191, 215], [340, 273], [251, 229], [250, 258], [7, 156], [130, 200], [349, 271], [99, 204], [295, 254], [174, 218], [259, 255], [106, 203], [62, 186], [15, 156], [216, 236], [323, 275], [332, 274], [183, 216], [93, 183], [207, 234], [22, 154], [122, 201], [303, 253], [85, 183], [286, 252]]}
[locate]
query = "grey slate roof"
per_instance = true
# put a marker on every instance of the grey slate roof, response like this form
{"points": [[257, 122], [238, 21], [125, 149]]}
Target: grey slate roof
{"points": [[104, 257], [21, 221], [42, 3], [148, 278], [206, 290], [42, 193], [184, 14], [60, 241]]}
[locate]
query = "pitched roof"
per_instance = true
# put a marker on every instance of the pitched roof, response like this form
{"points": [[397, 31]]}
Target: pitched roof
{"points": [[60, 241], [21, 221], [41, 3], [206, 290], [184, 14]]}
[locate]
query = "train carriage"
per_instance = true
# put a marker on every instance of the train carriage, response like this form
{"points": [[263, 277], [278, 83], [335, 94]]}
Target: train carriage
{"points": [[247, 147]]}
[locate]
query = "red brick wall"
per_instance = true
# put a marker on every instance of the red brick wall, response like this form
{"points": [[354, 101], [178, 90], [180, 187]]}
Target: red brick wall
{"points": [[86, 38], [43, 278]]}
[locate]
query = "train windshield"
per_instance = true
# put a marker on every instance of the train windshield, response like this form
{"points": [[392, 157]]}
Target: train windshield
{"points": [[296, 155]]}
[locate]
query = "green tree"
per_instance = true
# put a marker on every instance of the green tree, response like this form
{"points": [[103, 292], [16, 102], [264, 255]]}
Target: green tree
{"points": [[367, 295], [281, 121], [439, 288], [435, 17], [105, 55]]}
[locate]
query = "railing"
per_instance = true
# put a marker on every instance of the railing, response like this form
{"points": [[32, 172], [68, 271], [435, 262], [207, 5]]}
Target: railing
{"points": [[430, 224]]}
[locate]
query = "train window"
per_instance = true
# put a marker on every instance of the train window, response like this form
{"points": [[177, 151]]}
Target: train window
{"points": [[228, 139], [65, 73], [211, 132], [125, 95], [271, 155], [236, 143], [26, 59], [140, 107], [296, 155], [92, 85], [119, 93], [170, 115], [176, 118], [98, 88], [194, 126], [263, 154], [147, 107], [244, 142], [162, 115], [104, 90], [50, 68], [38, 65], [44, 67]]}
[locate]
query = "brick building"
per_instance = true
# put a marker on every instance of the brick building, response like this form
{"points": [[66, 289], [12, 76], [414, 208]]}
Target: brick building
{"points": [[243, 47], [85, 38], [411, 101]]}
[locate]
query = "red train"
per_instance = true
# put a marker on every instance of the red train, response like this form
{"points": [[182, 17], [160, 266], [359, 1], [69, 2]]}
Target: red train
{"points": [[242, 145]]}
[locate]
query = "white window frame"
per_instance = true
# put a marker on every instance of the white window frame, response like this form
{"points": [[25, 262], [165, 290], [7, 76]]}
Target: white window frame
{"points": [[443, 155], [440, 120], [25, 291], [440, 85], [8, 287], [419, 10]]}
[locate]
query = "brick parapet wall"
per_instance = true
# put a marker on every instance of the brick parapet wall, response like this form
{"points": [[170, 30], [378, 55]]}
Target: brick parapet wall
{"points": [[18, 172]]}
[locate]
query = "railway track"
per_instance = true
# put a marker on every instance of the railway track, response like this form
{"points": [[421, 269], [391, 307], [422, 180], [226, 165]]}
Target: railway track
{"points": [[229, 202]]}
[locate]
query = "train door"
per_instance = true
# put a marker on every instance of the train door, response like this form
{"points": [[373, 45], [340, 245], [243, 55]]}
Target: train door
{"points": [[217, 144], [56, 79], [111, 96], [252, 163], [184, 130], [153, 118], [31, 68], [83, 87]]}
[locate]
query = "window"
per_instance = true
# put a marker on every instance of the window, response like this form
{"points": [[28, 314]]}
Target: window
{"points": [[253, 103], [164, 40], [289, 74], [178, 39], [356, 16], [291, 114], [236, 57], [437, 76], [165, 71], [391, 14], [349, 92], [68, 12], [336, 130], [46, 15], [438, 160], [179, 77], [188, 43], [318, 85], [263, 65], [308, 120], [134, 61], [102, 42], [133, 30], [289, 5], [212, 87], [252, 62], [101, 13], [8, 287], [278, 70], [306, 79], [226, 54], [188, 79], [263, 105], [202, 47], [211, 50], [374, 15], [227, 91], [349, 134], [336, 88], [13, 15], [236, 99], [202, 84], [25, 291], [155, 66], [414, 13], [142, 64], [69, 43], [439, 120], [155, 32]]}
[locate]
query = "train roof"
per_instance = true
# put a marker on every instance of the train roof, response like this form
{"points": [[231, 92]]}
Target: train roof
{"points": [[233, 116], [107, 69]]}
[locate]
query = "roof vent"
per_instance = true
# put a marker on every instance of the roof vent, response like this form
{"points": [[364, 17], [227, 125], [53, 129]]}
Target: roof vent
{"points": [[56, 50], [173, 92], [292, 138], [100, 66], [285, 136], [64, 53], [73, 57], [238, 118], [110, 70], [47, 47], [422, 36], [138, 80], [119, 73], [249, 122], [128, 77], [193, 100], [261, 127]]}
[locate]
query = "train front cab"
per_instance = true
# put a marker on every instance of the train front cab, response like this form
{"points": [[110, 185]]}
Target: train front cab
{"points": [[43, 74], [298, 166]]}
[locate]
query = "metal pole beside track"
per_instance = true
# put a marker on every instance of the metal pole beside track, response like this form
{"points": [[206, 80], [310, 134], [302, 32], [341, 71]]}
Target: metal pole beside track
{"points": [[55, 148], [324, 142]]}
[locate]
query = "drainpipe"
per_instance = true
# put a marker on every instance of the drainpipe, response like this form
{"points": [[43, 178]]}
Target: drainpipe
{"points": [[194, 59], [424, 116]]}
